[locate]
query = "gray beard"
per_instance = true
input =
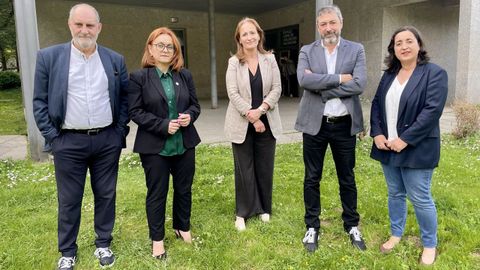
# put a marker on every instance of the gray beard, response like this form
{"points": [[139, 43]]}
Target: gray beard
{"points": [[85, 44], [332, 40]]}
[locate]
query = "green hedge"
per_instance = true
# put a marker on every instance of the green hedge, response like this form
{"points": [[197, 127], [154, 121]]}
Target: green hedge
{"points": [[9, 79]]}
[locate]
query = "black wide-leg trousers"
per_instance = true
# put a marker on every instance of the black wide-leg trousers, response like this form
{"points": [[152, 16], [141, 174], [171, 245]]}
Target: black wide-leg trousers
{"points": [[254, 160]]}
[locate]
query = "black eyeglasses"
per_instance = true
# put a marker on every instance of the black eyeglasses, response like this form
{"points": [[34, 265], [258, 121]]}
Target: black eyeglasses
{"points": [[162, 47]]}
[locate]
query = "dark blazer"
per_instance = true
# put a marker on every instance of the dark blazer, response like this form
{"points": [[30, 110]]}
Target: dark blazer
{"points": [[148, 108], [321, 86], [420, 108], [51, 83]]}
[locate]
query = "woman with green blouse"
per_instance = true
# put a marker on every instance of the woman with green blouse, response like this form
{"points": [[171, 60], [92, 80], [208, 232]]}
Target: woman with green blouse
{"points": [[164, 105]]}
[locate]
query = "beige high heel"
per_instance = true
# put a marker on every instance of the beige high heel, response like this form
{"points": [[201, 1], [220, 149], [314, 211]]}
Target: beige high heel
{"points": [[185, 236], [162, 256]]}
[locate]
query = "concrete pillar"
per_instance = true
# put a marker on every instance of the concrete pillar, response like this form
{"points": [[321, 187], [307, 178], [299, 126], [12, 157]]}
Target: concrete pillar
{"points": [[213, 54], [27, 47], [468, 63], [319, 4]]}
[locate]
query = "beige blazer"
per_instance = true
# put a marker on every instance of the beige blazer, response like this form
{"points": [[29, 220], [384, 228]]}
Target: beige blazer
{"points": [[240, 96]]}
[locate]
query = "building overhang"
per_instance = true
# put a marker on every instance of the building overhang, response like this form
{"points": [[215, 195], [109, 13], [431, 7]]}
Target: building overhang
{"points": [[240, 7]]}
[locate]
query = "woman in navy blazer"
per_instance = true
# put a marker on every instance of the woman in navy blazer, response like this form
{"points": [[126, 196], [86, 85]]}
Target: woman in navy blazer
{"points": [[405, 126], [164, 105]]}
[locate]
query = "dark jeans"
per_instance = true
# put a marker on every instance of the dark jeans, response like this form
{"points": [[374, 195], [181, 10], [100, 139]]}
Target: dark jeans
{"points": [[157, 173], [73, 154], [342, 144]]}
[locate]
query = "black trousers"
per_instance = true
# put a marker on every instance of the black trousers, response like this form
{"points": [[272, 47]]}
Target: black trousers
{"points": [[342, 144], [254, 159], [74, 154], [157, 173]]}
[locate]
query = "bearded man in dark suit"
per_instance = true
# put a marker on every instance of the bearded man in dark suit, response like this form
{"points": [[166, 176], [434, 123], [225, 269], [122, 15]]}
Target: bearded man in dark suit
{"points": [[81, 108]]}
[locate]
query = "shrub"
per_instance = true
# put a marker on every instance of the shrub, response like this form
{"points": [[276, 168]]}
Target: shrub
{"points": [[468, 119], [9, 79]]}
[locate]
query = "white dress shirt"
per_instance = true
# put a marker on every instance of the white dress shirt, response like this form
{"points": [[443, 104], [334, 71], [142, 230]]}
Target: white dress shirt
{"points": [[334, 106], [88, 100], [392, 102]]}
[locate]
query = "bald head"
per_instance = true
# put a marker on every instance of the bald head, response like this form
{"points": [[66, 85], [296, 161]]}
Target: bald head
{"points": [[82, 8], [84, 24]]}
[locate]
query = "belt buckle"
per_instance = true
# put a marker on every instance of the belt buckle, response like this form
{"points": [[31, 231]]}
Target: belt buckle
{"points": [[330, 119], [93, 131]]}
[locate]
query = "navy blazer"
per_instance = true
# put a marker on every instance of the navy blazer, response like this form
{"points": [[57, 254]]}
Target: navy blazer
{"points": [[51, 84], [421, 105], [148, 108]]}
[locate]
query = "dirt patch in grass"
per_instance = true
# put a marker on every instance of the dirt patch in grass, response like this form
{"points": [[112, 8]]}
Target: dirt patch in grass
{"points": [[476, 254], [414, 240], [325, 223]]}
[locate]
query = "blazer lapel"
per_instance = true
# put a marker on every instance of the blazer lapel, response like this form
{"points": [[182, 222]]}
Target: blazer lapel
{"points": [[245, 79], [109, 69], [155, 79], [341, 51], [177, 85], [110, 72], [64, 71], [319, 53], [410, 87], [265, 71]]}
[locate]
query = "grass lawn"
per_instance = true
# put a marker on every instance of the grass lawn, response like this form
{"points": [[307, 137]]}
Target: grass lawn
{"points": [[28, 216], [12, 117]]}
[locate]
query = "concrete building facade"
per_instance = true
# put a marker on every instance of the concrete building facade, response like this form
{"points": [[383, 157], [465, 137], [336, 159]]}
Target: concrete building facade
{"points": [[451, 31], [126, 27]]}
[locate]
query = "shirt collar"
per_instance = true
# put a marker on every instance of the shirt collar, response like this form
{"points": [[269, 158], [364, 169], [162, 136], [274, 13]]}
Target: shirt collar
{"points": [[164, 75]]}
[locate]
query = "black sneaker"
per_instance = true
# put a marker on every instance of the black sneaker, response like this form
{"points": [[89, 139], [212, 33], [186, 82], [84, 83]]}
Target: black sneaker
{"points": [[105, 256], [310, 240], [356, 239], [66, 263]]}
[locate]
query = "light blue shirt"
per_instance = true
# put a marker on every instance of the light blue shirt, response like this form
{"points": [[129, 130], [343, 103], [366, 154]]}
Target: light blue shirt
{"points": [[88, 100]]}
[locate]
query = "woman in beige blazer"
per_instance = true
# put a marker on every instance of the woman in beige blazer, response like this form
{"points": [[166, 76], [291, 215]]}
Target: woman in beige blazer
{"points": [[252, 122]]}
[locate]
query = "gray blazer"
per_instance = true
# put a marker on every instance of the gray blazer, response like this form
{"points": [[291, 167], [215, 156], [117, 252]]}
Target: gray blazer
{"points": [[240, 96], [320, 86]]}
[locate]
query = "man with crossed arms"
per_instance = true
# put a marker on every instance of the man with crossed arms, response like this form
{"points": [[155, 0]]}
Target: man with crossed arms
{"points": [[332, 72]]}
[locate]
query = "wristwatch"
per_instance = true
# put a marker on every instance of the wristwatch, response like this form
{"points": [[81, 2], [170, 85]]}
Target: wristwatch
{"points": [[262, 110]]}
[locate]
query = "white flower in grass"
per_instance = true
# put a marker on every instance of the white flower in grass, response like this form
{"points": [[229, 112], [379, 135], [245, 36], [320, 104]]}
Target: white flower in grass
{"points": [[219, 179]]}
